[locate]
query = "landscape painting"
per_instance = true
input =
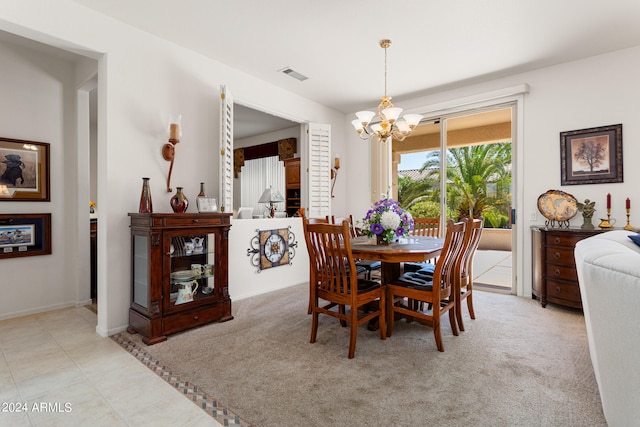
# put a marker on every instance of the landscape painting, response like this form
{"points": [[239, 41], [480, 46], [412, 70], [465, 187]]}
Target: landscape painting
{"points": [[591, 156]]}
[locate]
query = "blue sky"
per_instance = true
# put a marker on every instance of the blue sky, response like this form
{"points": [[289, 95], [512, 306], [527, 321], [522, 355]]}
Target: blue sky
{"points": [[412, 160]]}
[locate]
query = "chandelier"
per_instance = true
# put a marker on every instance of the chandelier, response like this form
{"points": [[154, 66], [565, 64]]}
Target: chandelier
{"points": [[390, 124]]}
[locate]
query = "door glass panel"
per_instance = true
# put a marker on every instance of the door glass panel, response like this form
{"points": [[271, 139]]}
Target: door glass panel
{"points": [[140, 271], [192, 267]]}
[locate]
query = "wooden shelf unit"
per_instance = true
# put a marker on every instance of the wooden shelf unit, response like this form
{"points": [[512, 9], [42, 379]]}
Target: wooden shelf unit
{"points": [[292, 185], [160, 262]]}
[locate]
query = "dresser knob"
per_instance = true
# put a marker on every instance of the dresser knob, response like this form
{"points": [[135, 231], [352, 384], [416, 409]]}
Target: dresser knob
{"points": [[557, 272], [195, 317], [195, 220], [557, 289], [557, 255], [556, 240]]}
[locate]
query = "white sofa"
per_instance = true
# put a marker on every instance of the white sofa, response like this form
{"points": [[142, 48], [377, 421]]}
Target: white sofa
{"points": [[608, 267]]}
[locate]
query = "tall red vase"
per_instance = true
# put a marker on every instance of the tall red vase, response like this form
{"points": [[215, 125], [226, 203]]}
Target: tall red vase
{"points": [[145, 198]]}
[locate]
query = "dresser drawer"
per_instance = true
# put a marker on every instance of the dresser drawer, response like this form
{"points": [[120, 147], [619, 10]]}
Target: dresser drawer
{"points": [[179, 322], [565, 291], [563, 239], [558, 255], [564, 272]]}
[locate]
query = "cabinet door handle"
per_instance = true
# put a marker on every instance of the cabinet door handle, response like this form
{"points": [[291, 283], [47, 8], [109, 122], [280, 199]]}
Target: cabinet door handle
{"points": [[557, 255], [557, 272]]}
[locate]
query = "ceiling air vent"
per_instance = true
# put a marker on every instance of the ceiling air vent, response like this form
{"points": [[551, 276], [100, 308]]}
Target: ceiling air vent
{"points": [[292, 73]]}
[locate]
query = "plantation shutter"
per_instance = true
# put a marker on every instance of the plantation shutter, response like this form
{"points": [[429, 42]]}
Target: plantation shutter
{"points": [[319, 161], [226, 150]]}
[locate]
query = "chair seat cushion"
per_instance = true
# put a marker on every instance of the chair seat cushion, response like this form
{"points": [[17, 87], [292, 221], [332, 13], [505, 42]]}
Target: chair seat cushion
{"points": [[415, 266], [415, 281], [367, 285], [369, 264]]}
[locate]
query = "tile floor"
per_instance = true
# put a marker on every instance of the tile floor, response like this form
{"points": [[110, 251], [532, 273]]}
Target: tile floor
{"points": [[493, 269], [61, 373]]}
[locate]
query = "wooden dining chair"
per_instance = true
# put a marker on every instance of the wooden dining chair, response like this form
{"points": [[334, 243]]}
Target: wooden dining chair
{"points": [[328, 220], [438, 294], [331, 261], [426, 227], [423, 227], [367, 264], [464, 275]]}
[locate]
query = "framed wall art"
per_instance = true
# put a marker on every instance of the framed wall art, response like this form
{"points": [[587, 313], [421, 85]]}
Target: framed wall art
{"points": [[24, 170], [591, 156], [25, 235]]}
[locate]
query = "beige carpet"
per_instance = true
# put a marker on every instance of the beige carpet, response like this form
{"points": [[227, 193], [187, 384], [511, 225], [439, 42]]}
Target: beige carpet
{"points": [[517, 364]]}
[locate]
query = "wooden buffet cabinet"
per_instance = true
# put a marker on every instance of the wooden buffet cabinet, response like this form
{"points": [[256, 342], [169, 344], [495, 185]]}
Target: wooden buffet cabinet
{"points": [[555, 278], [292, 184], [162, 269]]}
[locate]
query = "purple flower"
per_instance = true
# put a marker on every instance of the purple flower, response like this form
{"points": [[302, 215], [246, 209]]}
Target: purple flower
{"points": [[376, 229]]}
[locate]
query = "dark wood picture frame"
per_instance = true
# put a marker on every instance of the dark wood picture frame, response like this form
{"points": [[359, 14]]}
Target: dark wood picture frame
{"points": [[591, 156], [24, 171], [25, 235]]}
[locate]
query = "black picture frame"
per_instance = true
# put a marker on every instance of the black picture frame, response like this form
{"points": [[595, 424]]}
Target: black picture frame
{"points": [[25, 235], [24, 171], [591, 156]]}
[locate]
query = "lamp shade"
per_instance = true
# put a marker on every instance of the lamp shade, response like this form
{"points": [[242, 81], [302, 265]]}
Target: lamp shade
{"points": [[271, 196]]}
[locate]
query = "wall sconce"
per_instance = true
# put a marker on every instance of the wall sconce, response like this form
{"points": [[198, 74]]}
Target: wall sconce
{"points": [[168, 149], [334, 172]]}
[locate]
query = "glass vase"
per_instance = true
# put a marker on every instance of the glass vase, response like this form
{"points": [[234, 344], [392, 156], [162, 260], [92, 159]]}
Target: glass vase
{"points": [[179, 202], [146, 206]]}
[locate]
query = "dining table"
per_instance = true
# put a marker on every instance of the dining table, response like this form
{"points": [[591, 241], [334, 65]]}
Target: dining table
{"points": [[393, 254], [403, 249]]}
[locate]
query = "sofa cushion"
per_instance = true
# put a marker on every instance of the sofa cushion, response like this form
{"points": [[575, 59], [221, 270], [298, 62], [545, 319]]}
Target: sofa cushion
{"points": [[635, 238]]}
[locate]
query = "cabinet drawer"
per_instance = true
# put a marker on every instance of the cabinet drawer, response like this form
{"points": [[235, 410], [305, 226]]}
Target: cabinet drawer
{"points": [[566, 291], [563, 239], [194, 222], [560, 256], [564, 272], [180, 322]]}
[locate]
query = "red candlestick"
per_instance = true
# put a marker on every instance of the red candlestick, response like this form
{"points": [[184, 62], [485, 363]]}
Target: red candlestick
{"points": [[628, 203], [608, 201]]}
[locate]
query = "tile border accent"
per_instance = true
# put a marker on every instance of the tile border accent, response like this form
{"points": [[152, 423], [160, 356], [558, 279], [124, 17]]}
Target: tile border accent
{"points": [[205, 402]]}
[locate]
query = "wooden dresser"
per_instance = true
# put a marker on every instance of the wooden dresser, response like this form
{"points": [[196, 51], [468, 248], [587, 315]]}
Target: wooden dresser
{"points": [[555, 279]]}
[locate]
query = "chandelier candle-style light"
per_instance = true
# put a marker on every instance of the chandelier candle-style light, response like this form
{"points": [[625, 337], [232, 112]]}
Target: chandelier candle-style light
{"points": [[390, 124]]}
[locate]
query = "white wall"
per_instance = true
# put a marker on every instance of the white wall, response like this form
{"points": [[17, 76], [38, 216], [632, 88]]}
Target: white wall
{"points": [[37, 100], [244, 279], [142, 81], [593, 92]]}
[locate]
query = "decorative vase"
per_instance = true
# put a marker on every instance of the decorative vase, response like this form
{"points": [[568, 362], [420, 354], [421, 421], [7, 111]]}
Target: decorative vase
{"points": [[145, 198], [380, 240], [179, 202], [202, 193]]}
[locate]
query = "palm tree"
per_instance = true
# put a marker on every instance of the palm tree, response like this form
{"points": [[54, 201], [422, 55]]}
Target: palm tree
{"points": [[469, 170]]}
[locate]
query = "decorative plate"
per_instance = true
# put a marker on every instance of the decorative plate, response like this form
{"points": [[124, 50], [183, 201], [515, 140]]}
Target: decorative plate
{"points": [[556, 205], [183, 275]]}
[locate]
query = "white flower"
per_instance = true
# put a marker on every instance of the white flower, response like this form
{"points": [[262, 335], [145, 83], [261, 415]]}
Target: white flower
{"points": [[389, 220]]}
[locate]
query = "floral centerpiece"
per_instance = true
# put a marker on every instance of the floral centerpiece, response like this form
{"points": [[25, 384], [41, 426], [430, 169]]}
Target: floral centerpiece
{"points": [[387, 220]]}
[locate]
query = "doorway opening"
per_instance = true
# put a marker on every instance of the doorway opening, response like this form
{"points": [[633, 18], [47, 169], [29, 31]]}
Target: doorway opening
{"points": [[460, 166]]}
